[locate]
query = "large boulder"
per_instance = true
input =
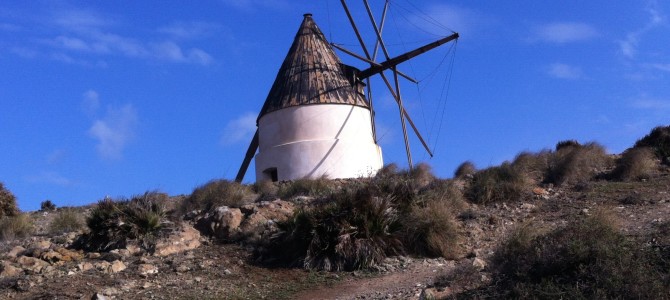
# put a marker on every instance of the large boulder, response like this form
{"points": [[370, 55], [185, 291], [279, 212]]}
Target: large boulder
{"points": [[183, 239]]}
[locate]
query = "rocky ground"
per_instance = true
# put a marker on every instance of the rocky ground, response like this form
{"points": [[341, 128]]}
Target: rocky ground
{"points": [[189, 265]]}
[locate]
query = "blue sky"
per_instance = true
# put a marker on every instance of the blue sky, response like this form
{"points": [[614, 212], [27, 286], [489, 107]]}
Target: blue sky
{"points": [[119, 97]]}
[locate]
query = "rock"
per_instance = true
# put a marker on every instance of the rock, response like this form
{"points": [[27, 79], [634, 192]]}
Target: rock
{"points": [[85, 266], [478, 263], [186, 238], [42, 245], [7, 270], [147, 269], [225, 221], [116, 267], [434, 293], [98, 296], [32, 264], [51, 256], [527, 206], [14, 252], [69, 255]]}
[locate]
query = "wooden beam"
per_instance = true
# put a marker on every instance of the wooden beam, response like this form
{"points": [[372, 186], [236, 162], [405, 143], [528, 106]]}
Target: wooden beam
{"points": [[404, 57], [253, 146]]}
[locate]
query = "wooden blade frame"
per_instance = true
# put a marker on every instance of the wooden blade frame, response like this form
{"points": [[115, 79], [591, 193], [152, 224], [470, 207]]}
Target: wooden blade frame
{"points": [[390, 63], [253, 146]]}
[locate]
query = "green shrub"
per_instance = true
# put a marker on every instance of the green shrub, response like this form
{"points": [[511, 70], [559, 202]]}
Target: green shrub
{"points": [[266, 189], [465, 169], [217, 193], [659, 140], [587, 259], [498, 184], [16, 226], [7, 202], [47, 205], [351, 229], [67, 220], [112, 224], [306, 187], [635, 164], [575, 164]]}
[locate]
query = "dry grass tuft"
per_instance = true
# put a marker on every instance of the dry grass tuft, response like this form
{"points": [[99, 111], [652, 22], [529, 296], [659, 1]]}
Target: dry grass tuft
{"points": [[217, 193], [659, 140], [498, 184], [575, 164], [67, 220], [7, 202], [534, 165], [587, 259], [306, 187], [466, 169], [635, 164], [16, 226]]}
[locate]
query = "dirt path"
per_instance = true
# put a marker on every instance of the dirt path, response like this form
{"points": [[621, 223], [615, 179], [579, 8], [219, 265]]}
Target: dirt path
{"points": [[402, 284]]}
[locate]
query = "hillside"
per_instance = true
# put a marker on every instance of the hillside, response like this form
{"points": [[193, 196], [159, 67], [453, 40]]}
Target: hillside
{"points": [[563, 223]]}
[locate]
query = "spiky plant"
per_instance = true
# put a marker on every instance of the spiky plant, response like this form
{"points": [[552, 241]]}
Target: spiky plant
{"points": [[466, 169], [635, 164], [112, 224], [575, 164], [67, 220]]}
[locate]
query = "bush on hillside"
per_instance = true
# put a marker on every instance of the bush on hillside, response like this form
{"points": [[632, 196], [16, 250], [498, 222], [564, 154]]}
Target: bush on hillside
{"points": [[306, 187], [351, 229], [567, 144], [112, 224], [357, 226], [587, 259], [575, 164], [498, 184], [15, 226], [7, 202], [659, 140], [217, 193], [635, 164], [67, 220], [47, 205], [465, 169], [534, 165], [429, 228]]}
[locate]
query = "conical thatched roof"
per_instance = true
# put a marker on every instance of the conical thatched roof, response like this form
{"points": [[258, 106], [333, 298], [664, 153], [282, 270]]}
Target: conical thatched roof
{"points": [[311, 74]]}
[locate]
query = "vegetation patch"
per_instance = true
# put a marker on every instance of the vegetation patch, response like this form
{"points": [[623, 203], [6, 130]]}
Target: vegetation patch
{"points": [[465, 169], [659, 140], [7, 202], [635, 164], [217, 193], [575, 164], [67, 220], [587, 259], [498, 184], [112, 224], [16, 226], [306, 187]]}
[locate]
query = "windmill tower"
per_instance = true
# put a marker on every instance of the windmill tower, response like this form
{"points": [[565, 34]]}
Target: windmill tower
{"points": [[316, 120]]}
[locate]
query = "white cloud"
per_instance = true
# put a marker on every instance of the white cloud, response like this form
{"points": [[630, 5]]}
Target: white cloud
{"points": [[171, 51], [662, 67], [190, 30], [114, 131], [49, 177], [565, 32], [56, 156], [252, 5], [564, 71], [629, 45], [459, 19], [90, 102], [239, 130], [651, 103]]}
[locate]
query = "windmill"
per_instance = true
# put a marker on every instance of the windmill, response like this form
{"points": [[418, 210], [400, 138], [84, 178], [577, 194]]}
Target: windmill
{"points": [[316, 120]]}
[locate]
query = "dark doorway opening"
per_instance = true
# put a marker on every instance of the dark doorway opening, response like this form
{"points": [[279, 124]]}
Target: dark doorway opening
{"points": [[271, 173]]}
